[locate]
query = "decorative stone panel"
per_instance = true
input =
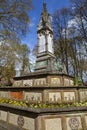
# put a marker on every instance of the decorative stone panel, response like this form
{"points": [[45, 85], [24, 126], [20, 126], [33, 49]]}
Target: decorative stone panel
{"points": [[54, 96], [55, 81], [66, 82], [40, 82], [28, 82], [22, 121], [4, 94], [53, 124], [83, 95], [3, 115], [69, 96], [33, 96], [18, 83], [71, 82], [74, 123]]}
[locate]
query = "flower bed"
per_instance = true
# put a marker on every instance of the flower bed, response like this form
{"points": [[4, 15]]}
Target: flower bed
{"points": [[25, 103]]}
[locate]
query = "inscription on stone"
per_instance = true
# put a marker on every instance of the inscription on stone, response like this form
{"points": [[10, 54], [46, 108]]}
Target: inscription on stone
{"points": [[42, 43], [66, 82], [17, 83], [27, 82], [69, 96], [83, 95], [55, 81], [20, 121], [4, 94], [33, 96], [41, 81], [74, 123], [71, 82], [54, 96]]}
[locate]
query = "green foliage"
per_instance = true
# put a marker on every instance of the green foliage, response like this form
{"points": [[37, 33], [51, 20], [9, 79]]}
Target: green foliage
{"points": [[76, 81], [12, 56], [24, 58], [24, 103], [70, 40], [6, 75], [14, 18]]}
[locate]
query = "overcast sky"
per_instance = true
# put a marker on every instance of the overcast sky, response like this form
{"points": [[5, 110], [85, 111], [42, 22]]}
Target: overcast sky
{"points": [[52, 5]]}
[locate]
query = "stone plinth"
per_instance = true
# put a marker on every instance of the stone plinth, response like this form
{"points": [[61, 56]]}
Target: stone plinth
{"points": [[46, 79], [45, 94], [43, 119]]}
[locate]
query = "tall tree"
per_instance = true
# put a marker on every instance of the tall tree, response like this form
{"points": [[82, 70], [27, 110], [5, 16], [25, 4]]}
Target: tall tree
{"points": [[60, 21], [14, 18], [80, 13], [70, 38], [24, 58], [12, 57]]}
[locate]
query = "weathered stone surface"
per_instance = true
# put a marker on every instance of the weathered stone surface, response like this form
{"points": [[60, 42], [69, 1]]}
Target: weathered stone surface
{"points": [[69, 96], [28, 82], [74, 122], [6, 126], [4, 94], [83, 95], [3, 115], [33, 96], [55, 81], [55, 96], [49, 118], [53, 124]]}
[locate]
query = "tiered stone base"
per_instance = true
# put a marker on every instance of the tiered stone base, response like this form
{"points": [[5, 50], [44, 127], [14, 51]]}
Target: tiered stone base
{"points": [[18, 118]]}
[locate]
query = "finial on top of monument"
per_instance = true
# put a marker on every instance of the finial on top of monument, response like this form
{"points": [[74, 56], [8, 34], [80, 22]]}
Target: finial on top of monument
{"points": [[45, 20], [44, 7]]}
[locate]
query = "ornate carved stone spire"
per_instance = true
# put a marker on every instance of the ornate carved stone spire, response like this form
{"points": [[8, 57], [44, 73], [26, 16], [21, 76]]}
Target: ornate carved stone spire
{"points": [[46, 60], [45, 21]]}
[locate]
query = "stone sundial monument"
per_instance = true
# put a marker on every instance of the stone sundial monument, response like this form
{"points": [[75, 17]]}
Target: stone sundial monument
{"points": [[47, 73], [49, 84]]}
